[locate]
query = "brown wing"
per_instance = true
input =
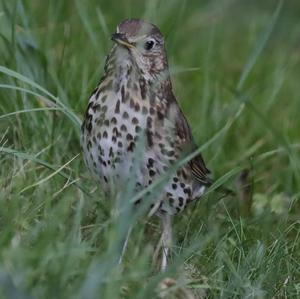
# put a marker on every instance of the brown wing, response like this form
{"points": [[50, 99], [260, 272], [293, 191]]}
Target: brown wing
{"points": [[199, 170]]}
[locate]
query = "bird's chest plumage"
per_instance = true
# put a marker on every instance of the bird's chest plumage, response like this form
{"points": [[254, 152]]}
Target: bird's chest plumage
{"points": [[117, 117], [128, 134]]}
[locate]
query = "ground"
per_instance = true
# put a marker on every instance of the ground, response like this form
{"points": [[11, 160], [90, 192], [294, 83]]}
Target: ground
{"points": [[235, 70]]}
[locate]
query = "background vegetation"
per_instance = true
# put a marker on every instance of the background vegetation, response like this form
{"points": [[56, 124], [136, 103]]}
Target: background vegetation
{"points": [[235, 70]]}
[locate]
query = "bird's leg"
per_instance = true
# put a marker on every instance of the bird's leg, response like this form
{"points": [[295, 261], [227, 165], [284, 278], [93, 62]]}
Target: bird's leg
{"points": [[125, 245], [166, 240], [157, 250]]}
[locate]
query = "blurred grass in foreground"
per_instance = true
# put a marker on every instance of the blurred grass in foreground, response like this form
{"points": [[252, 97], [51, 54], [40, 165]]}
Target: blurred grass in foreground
{"points": [[235, 70]]}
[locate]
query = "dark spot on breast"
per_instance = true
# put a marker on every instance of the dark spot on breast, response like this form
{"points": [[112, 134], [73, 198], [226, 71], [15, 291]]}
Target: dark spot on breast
{"points": [[135, 121], [123, 128], [149, 122], [111, 153], [125, 115], [158, 136], [161, 145], [149, 136], [89, 127], [163, 151], [105, 135], [180, 201], [117, 86], [115, 131], [129, 137], [131, 146], [117, 108], [104, 108], [101, 151], [137, 202], [187, 191], [117, 160], [106, 122], [174, 186], [96, 108], [137, 107], [103, 99], [142, 84], [89, 144], [138, 129], [105, 179], [150, 162], [152, 110], [114, 121], [129, 69], [97, 90], [122, 93], [160, 116], [132, 103], [170, 153], [151, 172], [99, 121]]}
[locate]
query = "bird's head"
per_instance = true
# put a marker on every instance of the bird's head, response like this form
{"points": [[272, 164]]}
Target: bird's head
{"points": [[145, 45]]}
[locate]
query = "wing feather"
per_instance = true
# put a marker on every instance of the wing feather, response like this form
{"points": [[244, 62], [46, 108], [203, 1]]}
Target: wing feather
{"points": [[197, 164]]}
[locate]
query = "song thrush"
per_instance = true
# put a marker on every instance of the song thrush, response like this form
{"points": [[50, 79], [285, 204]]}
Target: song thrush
{"points": [[135, 98]]}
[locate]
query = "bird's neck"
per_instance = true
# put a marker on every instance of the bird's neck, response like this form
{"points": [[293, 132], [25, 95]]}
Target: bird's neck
{"points": [[121, 66]]}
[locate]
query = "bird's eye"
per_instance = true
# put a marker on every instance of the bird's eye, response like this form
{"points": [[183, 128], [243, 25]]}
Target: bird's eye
{"points": [[149, 45]]}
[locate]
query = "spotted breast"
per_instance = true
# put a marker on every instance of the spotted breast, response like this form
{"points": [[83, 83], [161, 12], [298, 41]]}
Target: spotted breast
{"points": [[134, 105]]}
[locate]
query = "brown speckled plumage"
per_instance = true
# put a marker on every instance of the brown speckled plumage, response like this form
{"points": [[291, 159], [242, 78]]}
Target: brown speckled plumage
{"points": [[135, 98]]}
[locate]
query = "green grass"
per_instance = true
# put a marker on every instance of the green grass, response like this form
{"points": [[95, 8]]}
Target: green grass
{"points": [[235, 68]]}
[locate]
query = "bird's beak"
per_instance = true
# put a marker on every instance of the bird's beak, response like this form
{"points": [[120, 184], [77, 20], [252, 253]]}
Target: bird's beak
{"points": [[121, 39]]}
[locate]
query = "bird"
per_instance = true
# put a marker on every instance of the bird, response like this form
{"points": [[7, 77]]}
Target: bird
{"points": [[135, 99]]}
